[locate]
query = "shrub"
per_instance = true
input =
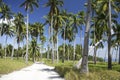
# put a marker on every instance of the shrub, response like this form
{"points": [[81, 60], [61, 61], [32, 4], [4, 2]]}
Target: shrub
{"points": [[71, 76], [62, 70]]}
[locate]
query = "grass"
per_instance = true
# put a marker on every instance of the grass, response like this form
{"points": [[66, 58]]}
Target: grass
{"points": [[8, 65], [97, 72]]}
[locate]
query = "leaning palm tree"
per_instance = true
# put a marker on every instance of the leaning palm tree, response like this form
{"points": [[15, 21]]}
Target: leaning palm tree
{"points": [[29, 4]]}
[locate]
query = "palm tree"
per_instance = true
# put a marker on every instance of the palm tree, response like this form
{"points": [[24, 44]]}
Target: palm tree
{"points": [[104, 9], [76, 21], [36, 30], [54, 10], [1, 53], [19, 23], [109, 37], [6, 30], [43, 39], [116, 41], [33, 48], [29, 4], [84, 65], [6, 14], [96, 36]]}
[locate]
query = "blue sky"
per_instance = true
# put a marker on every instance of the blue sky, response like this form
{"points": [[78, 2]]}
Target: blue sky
{"points": [[37, 15]]}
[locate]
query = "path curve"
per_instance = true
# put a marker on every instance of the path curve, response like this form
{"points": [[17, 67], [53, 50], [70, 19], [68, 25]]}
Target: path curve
{"points": [[37, 71]]}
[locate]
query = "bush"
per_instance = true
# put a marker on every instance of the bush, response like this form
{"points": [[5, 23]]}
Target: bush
{"points": [[62, 70], [71, 76]]}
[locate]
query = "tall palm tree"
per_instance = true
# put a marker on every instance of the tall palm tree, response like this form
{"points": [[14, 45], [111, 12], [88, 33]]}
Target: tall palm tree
{"points": [[8, 32], [33, 48], [116, 41], [109, 37], [6, 14], [54, 10], [96, 36], [19, 23], [76, 22], [84, 65], [64, 18], [43, 40], [36, 31], [47, 21], [104, 9], [29, 4]]}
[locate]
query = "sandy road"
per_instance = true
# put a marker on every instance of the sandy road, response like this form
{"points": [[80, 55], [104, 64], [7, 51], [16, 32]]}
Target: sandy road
{"points": [[35, 72]]}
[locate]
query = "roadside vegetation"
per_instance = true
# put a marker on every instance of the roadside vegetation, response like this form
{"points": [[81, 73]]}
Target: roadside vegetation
{"points": [[98, 71], [98, 27], [7, 65]]}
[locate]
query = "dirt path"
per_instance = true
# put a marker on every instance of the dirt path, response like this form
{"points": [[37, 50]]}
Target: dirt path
{"points": [[35, 72]]}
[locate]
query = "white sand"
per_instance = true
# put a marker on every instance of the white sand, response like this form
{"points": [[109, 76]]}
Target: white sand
{"points": [[35, 72]]}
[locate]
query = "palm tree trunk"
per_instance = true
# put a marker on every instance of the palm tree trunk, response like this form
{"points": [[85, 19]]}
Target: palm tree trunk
{"points": [[18, 50], [84, 65], [64, 46], [27, 37], [23, 52], [68, 52], [116, 54], [13, 50], [105, 56], [94, 56], [1, 28], [33, 57], [119, 56], [109, 39], [49, 42], [5, 47], [48, 53], [57, 50], [52, 40], [81, 41], [74, 52]]}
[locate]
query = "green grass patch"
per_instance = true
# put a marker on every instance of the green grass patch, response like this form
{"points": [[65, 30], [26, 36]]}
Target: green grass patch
{"points": [[102, 75], [96, 71], [8, 65]]}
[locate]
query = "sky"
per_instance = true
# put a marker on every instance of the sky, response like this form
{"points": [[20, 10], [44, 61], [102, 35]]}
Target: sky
{"points": [[37, 15]]}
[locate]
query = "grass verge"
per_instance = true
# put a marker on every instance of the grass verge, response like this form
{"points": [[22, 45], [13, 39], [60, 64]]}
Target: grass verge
{"points": [[8, 65], [97, 72]]}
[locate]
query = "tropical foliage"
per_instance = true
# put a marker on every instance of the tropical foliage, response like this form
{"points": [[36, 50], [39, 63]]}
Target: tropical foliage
{"points": [[99, 24]]}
